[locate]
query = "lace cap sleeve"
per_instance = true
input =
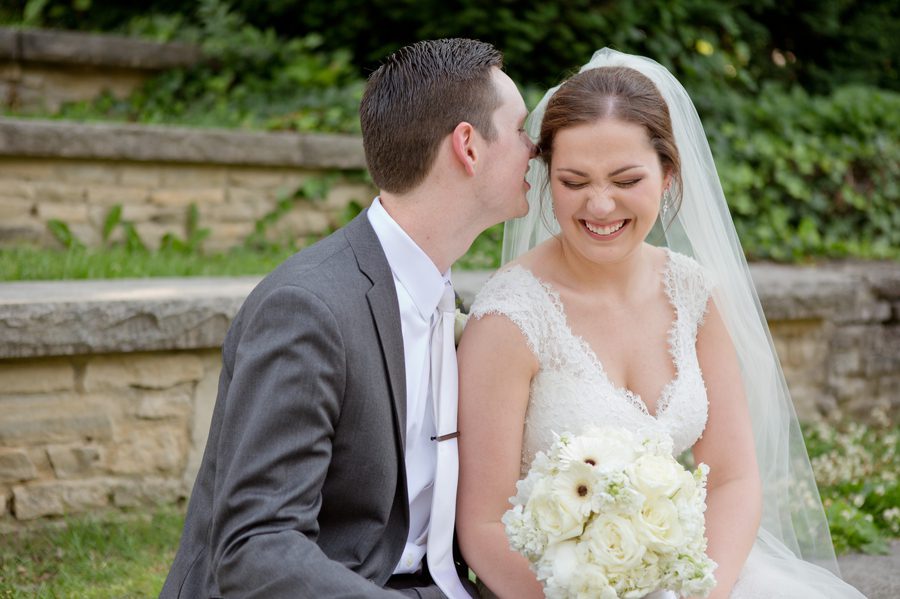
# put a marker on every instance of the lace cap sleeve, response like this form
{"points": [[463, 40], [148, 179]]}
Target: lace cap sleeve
{"points": [[689, 285], [517, 295]]}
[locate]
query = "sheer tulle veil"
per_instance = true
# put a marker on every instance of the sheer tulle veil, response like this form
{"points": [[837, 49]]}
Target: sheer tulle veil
{"points": [[793, 522]]}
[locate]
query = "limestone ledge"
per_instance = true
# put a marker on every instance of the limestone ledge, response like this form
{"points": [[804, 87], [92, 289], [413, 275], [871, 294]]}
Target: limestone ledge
{"points": [[145, 143], [92, 49], [63, 318], [88, 317]]}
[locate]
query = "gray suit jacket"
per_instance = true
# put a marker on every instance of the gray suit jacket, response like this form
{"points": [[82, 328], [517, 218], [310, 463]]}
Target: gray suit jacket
{"points": [[302, 488]]}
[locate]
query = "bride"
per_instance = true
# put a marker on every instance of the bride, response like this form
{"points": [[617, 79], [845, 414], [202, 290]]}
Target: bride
{"points": [[628, 302]]}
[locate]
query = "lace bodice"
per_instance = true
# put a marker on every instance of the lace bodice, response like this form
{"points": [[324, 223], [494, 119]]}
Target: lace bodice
{"points": [[572, 390]]}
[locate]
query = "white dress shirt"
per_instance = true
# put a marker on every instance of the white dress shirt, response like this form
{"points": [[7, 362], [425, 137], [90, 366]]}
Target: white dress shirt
{"points": [[419, 287]]}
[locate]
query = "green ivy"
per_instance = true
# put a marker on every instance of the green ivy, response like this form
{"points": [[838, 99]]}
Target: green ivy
{"points": [[810, 176]]}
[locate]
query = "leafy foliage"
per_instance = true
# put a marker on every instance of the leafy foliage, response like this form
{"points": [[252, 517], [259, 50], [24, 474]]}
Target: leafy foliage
{"points": [[855, 469], [812, 175], [249, 78]]}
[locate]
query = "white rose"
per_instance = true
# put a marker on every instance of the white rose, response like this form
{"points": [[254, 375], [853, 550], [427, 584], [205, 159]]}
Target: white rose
{"points": [[459, 323], [613, 543], [590, 582], [660, 526], [558, 564], [657, 475], [555, 513]]}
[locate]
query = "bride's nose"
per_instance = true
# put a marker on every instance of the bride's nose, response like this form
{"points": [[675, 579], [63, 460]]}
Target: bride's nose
{"points": [[600, 202]]}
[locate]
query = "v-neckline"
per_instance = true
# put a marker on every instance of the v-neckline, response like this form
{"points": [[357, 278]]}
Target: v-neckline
{"points": [[634, 399]]}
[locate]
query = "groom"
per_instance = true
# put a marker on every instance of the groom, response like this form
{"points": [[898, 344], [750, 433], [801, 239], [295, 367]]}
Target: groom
{"points": [[323, 451]]}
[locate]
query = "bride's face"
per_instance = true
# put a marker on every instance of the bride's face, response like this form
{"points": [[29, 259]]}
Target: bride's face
{"points": [[607, 181]]}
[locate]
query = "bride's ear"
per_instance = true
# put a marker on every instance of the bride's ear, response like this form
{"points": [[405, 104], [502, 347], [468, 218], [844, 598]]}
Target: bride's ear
{"points": [[462, 141]]}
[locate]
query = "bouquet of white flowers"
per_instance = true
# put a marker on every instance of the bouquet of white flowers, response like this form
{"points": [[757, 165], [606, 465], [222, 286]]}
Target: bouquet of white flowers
{"points": [[612, 514]]}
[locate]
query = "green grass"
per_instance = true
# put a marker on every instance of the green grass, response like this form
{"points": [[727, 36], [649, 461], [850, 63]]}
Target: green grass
{"points": [[33, 264], [113, 555], [118, 262]]}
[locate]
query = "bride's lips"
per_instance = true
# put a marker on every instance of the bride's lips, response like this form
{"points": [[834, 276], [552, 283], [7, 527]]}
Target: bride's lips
{"points": [[606, 231]]}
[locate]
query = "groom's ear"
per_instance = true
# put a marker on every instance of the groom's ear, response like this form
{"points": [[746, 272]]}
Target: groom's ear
{"points": [[462, 140]]}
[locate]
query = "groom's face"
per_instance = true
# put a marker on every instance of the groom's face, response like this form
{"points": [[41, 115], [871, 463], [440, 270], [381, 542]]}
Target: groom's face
{"points": [[506, 157]]}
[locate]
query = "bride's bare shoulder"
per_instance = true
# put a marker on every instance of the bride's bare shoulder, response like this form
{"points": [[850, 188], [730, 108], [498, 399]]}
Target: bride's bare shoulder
{"points": [[541, 260]]}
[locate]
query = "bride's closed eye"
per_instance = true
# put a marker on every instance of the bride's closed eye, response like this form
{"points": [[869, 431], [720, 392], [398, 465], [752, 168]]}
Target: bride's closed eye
{"points": [[573, 185], [629, 183]]}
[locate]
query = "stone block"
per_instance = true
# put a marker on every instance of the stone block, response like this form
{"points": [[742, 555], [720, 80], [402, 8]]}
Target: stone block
{"points": [[342, 194], [144, 371], [16, 188], [14, 231], [303, 221], [16, 466], [62, 418], [75, 461], [65, 193], [135, 175], [86, 233], [846, 362], [149, 450], [160, 405], [195, 177], [204, 403], [14, 207], [147, 491], [186, 197], [66, 212], [226, 235], [87, 172], [39, 376], [258, 178], [151, 233], [234, 211], [110, 195], [136, 212], [261, 200], [25, 169], [58, 498], [36, 501]]}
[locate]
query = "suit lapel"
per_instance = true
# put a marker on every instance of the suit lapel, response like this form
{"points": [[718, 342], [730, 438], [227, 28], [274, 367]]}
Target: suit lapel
{"points": [[382, 298]]}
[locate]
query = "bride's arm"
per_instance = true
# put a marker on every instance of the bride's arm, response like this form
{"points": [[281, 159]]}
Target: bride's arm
{"points": [[495, 371], [734, 499]]}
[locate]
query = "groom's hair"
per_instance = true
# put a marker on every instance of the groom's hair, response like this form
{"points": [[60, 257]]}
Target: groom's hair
{"points": [[416, 98]]}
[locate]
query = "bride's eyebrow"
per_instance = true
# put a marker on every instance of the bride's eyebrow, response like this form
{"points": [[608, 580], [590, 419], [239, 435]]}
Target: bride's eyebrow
{"points": [[612, 174]]}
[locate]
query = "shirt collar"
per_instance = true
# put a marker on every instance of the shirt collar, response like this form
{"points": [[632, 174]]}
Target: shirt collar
{"points": [[412, 267]]}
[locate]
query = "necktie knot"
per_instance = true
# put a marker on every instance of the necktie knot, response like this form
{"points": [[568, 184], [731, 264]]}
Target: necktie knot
{"points": [[448, 299]]}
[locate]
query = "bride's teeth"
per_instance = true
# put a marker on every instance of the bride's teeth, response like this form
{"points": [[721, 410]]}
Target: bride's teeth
{"points": [[604, 230]]}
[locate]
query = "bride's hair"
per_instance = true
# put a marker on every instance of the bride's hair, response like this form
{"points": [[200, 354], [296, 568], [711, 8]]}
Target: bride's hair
{"points": [[615, 93]]}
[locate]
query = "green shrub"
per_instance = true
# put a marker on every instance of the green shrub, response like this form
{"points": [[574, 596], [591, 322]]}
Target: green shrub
{"points": [[811, 175], [249, 78]]}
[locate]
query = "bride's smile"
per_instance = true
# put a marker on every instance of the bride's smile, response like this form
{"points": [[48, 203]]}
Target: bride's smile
{"points": [[607, 181]]}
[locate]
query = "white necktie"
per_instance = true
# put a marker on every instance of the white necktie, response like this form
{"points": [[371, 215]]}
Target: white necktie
{"points": [[444, 389]]}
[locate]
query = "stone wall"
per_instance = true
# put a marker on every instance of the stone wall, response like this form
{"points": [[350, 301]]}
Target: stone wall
{"points": [[42, 69], [76, 173], [107, 387]]}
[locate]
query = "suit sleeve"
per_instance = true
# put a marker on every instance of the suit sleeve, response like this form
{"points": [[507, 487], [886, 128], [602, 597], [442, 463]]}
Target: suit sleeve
{"points": [[274, 450]]}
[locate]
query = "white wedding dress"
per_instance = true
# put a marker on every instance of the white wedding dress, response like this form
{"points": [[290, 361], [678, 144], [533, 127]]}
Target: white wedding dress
{"points": [[571, 391]]}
